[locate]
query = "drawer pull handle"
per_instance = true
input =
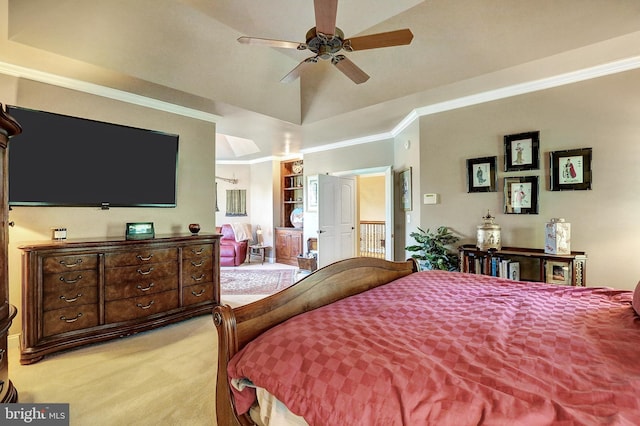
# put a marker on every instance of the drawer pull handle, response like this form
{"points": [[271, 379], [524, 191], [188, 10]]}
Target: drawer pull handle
{"points": [[147, 288], [70, 320], [71, 265], [79, 295], [197, 251], [1, 385], [200, 278], [141, 272], [145, 258], [197, 264], [141, 306], [200, 293], [66, 281], [2, 352]]}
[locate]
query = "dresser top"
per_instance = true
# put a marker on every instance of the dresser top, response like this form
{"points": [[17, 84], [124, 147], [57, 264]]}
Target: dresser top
{"points": [[160, 239]]}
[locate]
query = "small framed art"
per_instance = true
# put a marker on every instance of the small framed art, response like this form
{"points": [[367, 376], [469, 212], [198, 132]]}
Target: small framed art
{"points": [[558, 272], [521, 195], [570, 169], [405, 189], [522, 152], [481, 174], [312, 193]]}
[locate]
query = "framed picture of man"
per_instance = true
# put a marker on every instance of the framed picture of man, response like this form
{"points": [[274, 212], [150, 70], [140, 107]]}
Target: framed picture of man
{"points": [[522, 152], [570, 169], [481, 174]]}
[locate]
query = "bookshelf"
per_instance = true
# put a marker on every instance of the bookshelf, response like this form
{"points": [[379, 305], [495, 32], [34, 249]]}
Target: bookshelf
{"points": [[288, 236], [532, 264], [292, 184]]}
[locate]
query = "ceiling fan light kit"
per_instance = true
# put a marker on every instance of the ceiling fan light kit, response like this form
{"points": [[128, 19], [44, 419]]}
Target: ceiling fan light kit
{"points": [[326, 40]]}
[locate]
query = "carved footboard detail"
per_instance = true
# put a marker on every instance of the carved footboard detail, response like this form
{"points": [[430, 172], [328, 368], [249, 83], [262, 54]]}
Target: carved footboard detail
{"points": [[236, 327], [225, 322]]}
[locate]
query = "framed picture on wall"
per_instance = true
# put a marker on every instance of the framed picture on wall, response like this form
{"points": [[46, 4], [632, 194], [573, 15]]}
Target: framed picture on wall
{"points": [[570, 169], [405, 189], [312, 193], [522, 152], [481, 174], [521, 195]]}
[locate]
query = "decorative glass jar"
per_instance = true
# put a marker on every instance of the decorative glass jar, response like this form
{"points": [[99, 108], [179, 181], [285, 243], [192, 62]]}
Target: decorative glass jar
{"points": [[488, 235]]}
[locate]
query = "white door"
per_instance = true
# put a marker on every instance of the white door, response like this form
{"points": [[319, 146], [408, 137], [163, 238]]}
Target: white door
{"points": [[336, 219]]}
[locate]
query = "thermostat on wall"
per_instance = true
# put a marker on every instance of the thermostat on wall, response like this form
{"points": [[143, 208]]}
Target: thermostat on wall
{"points": [[140, 231], [431, 199]]}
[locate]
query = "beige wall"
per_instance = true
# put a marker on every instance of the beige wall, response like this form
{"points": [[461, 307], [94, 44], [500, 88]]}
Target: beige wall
{"points": [[602, 114], [407, 150], [371, 200], [196, 171]]}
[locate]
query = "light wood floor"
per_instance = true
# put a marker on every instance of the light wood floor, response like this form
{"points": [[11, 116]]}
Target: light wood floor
{"points": [[160, 377]]}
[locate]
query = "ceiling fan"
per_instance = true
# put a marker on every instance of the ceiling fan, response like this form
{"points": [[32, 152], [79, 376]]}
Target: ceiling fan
{"points": [[326, 41]]}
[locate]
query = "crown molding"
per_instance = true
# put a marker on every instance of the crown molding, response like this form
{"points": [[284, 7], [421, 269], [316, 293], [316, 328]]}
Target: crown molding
{"points": [[465, 101], [106, 92]]}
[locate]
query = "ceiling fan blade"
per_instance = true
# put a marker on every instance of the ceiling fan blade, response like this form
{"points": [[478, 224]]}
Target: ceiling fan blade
{"points": [[374, 41], [272, 43], [295, 73], [349, 69], [326, 12]]}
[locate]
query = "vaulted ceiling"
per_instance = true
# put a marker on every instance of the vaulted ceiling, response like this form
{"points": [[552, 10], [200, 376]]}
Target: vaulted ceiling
{"points": [[186, 52]]}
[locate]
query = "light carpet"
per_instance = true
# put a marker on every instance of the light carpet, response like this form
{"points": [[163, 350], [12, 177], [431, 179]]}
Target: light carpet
{"points": [[161, 377], [249, 282]]}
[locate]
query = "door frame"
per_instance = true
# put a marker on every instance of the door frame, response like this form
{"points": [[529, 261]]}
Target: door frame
{"points": [[389, 186]]}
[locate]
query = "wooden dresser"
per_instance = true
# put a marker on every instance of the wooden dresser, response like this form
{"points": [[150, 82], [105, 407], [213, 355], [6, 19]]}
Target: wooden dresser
{"points": [[8, 128], [77, 292]]}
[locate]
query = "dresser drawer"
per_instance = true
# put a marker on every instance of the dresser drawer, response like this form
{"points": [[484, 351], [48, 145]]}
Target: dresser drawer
{"points": [[138, 307], [70, 280], [69, 297], [140, 287], [152, 271], [196, 271], [140, 257], [69, 263], [196, 251], [198, 293], [70, 319]]}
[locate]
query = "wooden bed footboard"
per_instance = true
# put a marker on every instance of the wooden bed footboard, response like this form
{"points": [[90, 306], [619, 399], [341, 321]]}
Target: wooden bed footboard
{"points": [[236, 327]]}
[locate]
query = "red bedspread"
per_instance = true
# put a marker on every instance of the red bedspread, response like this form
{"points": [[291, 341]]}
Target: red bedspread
{"points": [[448, 348]]}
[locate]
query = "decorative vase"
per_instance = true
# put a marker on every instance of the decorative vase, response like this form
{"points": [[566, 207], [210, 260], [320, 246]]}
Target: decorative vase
{"points": [[557, 238], [194, 228], [488, 235]]}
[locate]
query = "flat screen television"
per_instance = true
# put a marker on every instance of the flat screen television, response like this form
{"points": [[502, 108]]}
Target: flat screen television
{"points": [[60, 160]]}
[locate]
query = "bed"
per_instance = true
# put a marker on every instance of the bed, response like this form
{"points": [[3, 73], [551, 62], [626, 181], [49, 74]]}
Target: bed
{"points": [[371, 342]]}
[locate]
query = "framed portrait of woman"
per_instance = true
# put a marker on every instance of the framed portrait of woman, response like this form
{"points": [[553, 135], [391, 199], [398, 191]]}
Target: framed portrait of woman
{"points": [[521, 195]]}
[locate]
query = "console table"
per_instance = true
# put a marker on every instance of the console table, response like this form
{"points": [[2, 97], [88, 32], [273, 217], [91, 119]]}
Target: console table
{"points": [[76, 292], [535, 264]]}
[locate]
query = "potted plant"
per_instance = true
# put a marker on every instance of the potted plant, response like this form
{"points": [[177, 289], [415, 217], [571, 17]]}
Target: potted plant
{"points": [[433, 250]]}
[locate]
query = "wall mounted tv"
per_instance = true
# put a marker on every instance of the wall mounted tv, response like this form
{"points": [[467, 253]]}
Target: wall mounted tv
{"points": [[60, 160]]}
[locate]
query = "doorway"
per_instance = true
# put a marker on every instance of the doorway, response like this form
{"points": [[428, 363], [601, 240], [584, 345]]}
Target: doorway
{"points": [[374, 211]]}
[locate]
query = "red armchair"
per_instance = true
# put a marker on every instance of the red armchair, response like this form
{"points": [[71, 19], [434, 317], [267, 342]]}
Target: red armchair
{"points": [[232, 252]]}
